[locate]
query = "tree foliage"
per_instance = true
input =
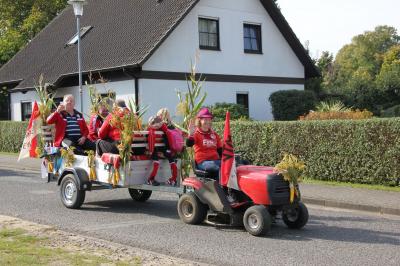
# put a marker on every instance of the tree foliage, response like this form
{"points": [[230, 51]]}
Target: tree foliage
{"points": [[365, 73], [21, 20]]}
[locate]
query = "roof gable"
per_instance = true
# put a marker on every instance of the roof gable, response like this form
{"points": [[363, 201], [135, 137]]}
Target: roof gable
{"points": [[125, 33]]}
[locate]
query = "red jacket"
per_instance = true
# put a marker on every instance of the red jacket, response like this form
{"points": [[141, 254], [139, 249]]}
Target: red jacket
{"points": [[61, 124], [95, 124], [206, 145], [108, 131]]}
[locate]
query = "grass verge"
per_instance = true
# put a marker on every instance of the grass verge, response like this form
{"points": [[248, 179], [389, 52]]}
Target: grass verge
{"points": [[353, 185], [17, 247], [8, 153]]}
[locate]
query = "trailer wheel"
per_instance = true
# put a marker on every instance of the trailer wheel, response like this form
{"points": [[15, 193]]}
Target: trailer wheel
{"points": [[139, 194], [257, 220], [297, 217], [71, 196], [190, 209]]}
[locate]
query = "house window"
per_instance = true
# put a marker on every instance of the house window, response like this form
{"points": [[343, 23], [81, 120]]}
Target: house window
{"points": [[83, 32], [110, 95], [243, 99], [26, 110], [252, 38], [209, 34]]}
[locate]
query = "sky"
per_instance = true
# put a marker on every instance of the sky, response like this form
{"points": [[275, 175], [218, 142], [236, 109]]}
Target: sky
{"points": [[330, 24]]}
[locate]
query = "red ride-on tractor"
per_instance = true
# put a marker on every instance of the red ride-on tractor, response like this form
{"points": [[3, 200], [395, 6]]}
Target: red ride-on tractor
{"points": [[262, 195]]}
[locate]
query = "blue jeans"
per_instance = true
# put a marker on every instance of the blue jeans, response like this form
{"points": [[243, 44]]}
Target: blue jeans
{"points": [[210, 166]]}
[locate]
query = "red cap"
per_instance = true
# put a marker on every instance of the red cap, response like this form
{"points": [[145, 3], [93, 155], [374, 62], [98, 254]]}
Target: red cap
{"points": [[204, 113]]}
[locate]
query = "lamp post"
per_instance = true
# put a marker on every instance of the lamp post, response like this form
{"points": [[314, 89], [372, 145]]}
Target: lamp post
{"points": [[78, 11]]}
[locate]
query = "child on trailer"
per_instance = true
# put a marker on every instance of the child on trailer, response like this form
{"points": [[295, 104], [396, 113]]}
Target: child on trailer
{"points": [[157, 124]]}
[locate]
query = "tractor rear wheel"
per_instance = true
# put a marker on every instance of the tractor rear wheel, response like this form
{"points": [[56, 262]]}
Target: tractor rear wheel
{"points": [[257, 220], [296, 217], [139, 194], [190, 209]]}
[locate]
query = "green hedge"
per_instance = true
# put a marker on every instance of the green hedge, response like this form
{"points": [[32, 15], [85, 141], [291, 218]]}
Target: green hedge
{"points": [[12, 135], [366, 151], [290, 104]]}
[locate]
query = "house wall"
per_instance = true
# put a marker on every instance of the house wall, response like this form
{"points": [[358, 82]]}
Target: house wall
{"points": [[162, 93], [177, 51], [124, 90], [16, 99]]}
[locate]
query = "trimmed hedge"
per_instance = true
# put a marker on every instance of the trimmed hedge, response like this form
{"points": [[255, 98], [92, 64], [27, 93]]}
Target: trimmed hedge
{"points": [[12, 135], [291, 104], [364, 151]]}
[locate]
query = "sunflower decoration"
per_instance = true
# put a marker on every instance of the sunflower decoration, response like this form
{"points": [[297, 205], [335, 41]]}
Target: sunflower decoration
{"points": [[68, 156], [292, 169]]}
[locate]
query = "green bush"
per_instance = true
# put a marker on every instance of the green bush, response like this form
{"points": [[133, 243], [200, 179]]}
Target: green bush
{"points": [[391, 112], [237, 111], [364, 151], [291, 104], [12, 135]]}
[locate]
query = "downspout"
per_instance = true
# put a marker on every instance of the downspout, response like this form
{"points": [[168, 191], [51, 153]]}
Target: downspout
{"points": [[135, 75], [9, 106]]}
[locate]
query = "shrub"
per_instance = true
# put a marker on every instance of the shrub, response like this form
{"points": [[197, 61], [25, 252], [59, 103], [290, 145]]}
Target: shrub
{"points": [[291, 104], [352, 115], [238, 111], [391, 112], [12, 135], [362, 151]]}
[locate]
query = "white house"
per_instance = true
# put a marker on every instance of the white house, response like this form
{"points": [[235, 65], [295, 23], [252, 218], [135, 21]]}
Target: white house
{"points": [[246, 50]]}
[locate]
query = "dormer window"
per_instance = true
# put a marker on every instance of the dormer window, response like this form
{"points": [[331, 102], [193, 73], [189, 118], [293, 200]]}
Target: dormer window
{"points": [[83, 32]]}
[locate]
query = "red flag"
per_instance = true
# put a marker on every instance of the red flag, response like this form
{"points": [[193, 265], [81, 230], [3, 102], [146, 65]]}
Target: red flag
{"points": [[228, 164], [30, 142]]}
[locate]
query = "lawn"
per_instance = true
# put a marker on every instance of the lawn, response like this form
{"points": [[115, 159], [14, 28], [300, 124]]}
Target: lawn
{"points": [[19, 248]]}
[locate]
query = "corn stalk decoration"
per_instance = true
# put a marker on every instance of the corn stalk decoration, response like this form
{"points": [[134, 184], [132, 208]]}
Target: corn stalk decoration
{"points": [[96, 99], [127, 121], [68, 156], [292, 170], [91, 161], [45, 105], [190, 103]]}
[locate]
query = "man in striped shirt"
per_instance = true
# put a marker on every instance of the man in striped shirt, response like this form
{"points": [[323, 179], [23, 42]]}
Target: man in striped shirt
{"points": [[71, 128]]}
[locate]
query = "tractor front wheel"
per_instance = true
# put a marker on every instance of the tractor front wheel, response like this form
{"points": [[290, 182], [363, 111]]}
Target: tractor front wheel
{"points": [[191, 210], [257, 220], [296, 217]]}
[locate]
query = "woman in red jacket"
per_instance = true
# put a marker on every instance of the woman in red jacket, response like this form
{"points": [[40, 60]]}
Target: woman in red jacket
{"points": [[206, 142]]}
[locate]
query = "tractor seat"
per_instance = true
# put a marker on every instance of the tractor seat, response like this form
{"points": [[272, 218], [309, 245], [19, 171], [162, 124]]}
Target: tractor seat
{"points": [[205, 174]]}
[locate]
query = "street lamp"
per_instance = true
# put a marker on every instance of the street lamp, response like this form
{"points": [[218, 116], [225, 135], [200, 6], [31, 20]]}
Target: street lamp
{"points": [[78, 11]]}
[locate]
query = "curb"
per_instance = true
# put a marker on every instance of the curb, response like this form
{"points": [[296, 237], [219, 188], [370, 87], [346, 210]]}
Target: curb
{"points": [[350, 206], [7, 167]]}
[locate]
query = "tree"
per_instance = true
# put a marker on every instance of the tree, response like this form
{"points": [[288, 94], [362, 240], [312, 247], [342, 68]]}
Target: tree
{"points": [[21, 20], [388, 79], [363, 66]]}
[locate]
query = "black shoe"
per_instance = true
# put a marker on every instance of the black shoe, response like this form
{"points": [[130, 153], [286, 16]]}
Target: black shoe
{"points": [[153, 182]]}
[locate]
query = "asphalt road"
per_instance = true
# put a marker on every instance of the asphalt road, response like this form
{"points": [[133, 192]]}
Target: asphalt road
{"points": [[332, 237]]}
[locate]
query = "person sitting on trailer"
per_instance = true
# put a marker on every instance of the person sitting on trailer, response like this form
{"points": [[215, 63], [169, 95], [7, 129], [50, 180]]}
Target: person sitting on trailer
{"points": [[157, 124], [206, 142], [96, 121], [71, 128], [109, 135]]}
